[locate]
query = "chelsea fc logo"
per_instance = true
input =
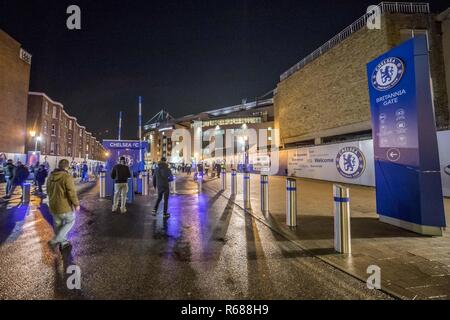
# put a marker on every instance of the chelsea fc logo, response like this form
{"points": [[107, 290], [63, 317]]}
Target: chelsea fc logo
{"points": [[387, 74], [447, 169], [350, 162]]}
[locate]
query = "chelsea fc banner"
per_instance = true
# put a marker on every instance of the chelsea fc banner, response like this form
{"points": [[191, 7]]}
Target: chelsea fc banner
{"points": [[406, 158]]}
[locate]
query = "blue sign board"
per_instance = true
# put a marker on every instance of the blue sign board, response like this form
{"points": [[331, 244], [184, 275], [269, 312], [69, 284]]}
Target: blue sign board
{"points": [[133, 151], [407, 170]]}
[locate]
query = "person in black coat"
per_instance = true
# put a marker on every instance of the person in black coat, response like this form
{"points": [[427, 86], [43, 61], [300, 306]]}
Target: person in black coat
{"points": [[41, 175], [21, 174], [161, 179], [9, 174]]}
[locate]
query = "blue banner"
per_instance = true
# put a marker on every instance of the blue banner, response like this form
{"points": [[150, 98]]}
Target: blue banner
{"points": [[129, 149], [407, 170]]}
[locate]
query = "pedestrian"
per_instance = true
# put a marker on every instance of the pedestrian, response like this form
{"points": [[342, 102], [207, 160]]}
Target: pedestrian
{"points": [[120, 174], [63, 203], [9, 169], [84, 172], [20, 175], [163, 175], [41, 175], [154, 166]]}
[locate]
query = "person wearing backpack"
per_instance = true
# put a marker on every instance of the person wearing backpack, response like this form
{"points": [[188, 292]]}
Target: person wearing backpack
{"points": [[120, 174]]}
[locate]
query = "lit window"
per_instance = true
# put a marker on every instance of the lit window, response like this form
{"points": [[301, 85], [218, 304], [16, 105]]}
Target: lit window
{"points": [[53, 130], [55, 112]]}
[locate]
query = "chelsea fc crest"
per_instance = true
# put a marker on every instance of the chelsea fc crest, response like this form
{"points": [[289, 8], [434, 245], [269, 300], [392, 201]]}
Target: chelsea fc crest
{"points": [[388, 74], [350, 162]]}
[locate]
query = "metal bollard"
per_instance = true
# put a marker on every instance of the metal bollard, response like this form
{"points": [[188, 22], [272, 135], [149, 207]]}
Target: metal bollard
{"points": [[26, 192], [342, 237], [233, 183], [291, 202], [246, 191], [144, 179], [200, 183], [224, 180], [102, 184], [174, 185], [264, 193]]}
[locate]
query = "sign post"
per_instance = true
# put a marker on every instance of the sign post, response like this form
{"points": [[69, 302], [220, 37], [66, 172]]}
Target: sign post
{"points": [[407, 169]]}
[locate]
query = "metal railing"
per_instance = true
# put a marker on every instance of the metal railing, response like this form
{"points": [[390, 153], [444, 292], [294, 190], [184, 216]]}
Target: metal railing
{"points": [[385, 7]]}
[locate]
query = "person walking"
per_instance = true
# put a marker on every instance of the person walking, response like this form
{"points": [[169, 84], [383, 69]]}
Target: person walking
{"points": [[84, 172], [41, 175], [63, 203], [120, 174], [163, 175], [9, 169], [20, 175]]}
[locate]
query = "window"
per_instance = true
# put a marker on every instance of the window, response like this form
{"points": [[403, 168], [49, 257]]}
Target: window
{"points": [[69, 152], [70, 124], [45, 127], [81, 133], [52, 147], [406, 34], [53, 129], [55, 112], [46, 107]]}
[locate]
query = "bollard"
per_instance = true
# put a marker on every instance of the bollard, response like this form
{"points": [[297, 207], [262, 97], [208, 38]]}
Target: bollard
{"points": [[174, 185], [246, 191], [224, 180], [264, 193], [291, 202], [342, 237], [233, 182], [144, 181], [200, 183], [102, 184], [26, 191]]}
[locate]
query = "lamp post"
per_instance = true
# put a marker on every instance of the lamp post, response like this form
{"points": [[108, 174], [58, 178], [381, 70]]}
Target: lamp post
{"points": [[37, 138]]}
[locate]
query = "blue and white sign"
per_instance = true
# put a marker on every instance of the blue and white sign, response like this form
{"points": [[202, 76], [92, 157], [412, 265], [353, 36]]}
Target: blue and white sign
{"points": [[407, 169], [350, 162]]}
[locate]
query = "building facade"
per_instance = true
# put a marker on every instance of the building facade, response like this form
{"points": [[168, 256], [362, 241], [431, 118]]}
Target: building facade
{"points": [[206, 129], [56, 133], [15, 65], [324, 98]]}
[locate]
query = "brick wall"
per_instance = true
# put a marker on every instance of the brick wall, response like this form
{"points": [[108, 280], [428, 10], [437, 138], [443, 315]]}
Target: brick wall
{"points": [[14, 84], [329, 96]]}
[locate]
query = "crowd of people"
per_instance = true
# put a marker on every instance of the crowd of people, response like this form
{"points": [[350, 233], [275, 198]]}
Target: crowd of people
{"points": [[62, 196]]}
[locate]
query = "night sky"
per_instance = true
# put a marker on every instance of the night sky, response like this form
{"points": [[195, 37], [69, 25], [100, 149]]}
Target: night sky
{"points": [[183, 56]]}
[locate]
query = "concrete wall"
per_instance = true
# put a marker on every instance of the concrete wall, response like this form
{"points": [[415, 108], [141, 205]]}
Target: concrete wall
{"points": [[329, 96], [14, 84]]}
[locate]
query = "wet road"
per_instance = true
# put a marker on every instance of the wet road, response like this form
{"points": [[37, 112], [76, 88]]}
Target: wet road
{"points": [[208, 249]]}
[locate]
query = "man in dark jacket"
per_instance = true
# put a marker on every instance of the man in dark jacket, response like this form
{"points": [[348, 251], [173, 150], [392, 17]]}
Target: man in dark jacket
{"points": [[120, 174], [40, 177], [21, 174], [9, 174], [161, 180]]}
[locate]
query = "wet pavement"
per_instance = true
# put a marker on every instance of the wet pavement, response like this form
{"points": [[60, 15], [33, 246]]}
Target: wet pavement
{"points": [[208, 249]]}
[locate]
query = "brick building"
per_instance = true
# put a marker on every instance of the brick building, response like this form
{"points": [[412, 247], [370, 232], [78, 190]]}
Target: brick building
{"points": [[324, 98], [61, 134], [15, 64]]}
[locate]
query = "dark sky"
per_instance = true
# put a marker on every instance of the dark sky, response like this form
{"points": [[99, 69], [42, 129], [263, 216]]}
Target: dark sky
{"points": [[183, 56]]}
